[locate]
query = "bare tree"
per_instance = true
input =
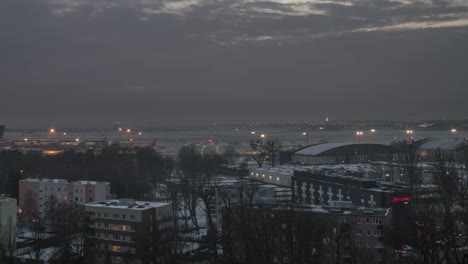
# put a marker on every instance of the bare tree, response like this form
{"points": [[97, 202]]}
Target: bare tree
{"points": [[8, 237], [258, 151]]}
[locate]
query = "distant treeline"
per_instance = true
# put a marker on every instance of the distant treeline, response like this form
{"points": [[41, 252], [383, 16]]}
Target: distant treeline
{"points": [[132, 175]]}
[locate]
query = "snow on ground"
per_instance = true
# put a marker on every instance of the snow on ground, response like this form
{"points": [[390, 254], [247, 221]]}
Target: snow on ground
{"points": [[45, 254]]}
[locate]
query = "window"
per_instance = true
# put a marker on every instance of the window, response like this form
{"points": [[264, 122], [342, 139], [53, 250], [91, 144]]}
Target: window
{"points": [[368, 232], [90, 199], [132, 217], [359, 243], [378, 244], [358, 231], [99, 214], [327, 252], [123, 216], [326, 240], [106, 215], [369, 244], [116, 237], [367, 221], [106, 225], [377, 233]]}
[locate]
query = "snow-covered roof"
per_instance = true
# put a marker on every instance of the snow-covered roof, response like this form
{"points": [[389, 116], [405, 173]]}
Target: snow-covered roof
{"points": [[322, 147], [443, 144], [90, 182], [126, 204]]}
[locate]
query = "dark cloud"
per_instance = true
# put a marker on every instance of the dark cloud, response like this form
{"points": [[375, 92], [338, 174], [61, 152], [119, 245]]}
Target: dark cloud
{"points": [[84, 61]]}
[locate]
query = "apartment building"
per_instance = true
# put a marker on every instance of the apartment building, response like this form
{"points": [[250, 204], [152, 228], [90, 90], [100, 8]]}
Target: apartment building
{"points": [[279, 233], [36, 194], [8, 212], [131, 231]]}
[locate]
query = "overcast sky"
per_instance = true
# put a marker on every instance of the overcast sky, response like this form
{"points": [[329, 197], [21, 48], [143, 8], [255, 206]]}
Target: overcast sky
{"points": [[150, 61]]}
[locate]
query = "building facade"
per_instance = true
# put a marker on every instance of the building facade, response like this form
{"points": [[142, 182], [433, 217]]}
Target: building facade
{"points": [[308, 234], [131, 231], [8, 213], [342, 153], [36, 195]]}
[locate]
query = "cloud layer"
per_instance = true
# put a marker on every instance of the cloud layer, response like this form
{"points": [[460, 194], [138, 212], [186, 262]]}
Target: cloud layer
{"points": [[197, 60]]}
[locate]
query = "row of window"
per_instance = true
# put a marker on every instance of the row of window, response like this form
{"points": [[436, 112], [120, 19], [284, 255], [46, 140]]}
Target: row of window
{"points": [[114, 216], [370, 244], [374, 221], [114, 237], [378, 233], [116, 248], [114, 226]]}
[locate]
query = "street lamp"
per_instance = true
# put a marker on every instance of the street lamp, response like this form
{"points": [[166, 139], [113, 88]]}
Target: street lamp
{"points": [[453, 131], [410, 134], [359, 134], [52, 130], [372, 134], [140, 133], [262, 136], [307, 137]]}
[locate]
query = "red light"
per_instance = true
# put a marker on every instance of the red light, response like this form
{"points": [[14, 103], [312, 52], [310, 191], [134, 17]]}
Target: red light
{"points": [[400, 199]]}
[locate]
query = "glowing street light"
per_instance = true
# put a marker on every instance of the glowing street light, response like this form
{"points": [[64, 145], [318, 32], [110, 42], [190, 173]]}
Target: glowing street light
{"points": [[410, 134], [372, 134], [64, 133], [359, 134], [25, 139], [140, 133], [262, 136], [120, 129], [77, 140], [52, 130], [307, 137], [129, 130], [453, 131]]}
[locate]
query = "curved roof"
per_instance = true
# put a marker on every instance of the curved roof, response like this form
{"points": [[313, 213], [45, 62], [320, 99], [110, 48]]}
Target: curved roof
{"points": [[322, 147], [443, 144], [319, 149]]}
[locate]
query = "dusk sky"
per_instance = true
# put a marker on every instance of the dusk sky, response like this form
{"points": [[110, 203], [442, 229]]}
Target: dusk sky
{"points": [[146, 61]]}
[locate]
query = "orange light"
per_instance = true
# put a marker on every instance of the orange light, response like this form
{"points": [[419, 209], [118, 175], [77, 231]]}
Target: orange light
{"points": [[52, 130], [129, 130], [120, 129]]}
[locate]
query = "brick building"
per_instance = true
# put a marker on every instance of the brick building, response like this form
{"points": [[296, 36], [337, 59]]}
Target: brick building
{"points": [[308, 234]]}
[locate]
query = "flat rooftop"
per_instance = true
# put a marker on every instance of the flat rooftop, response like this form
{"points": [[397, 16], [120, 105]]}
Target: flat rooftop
{"points": [[127, 204]]}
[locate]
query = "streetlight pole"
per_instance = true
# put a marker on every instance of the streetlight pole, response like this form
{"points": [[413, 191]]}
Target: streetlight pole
{"points": [[373, 134], [410, 135], [453, 131], [307, 137], [359, 134]]}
